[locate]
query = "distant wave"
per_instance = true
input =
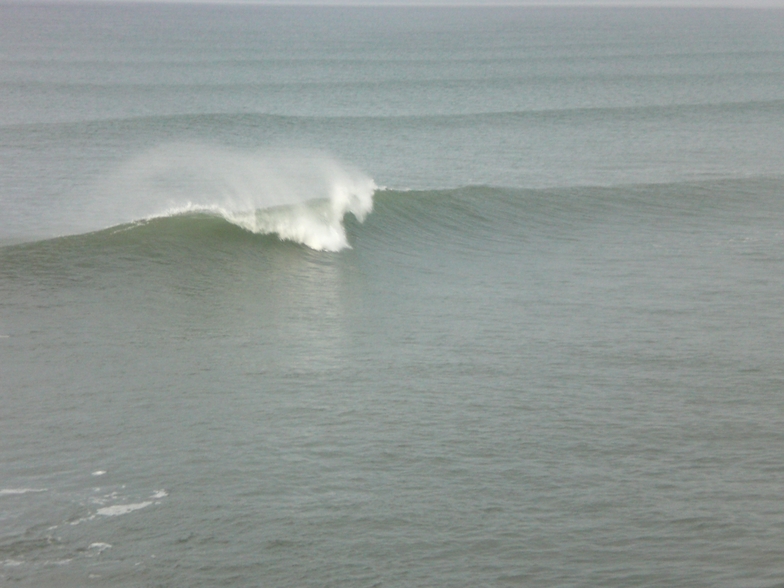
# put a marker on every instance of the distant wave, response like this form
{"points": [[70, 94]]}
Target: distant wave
{"points": [[298, 196], [186, 121], [17, 491]]}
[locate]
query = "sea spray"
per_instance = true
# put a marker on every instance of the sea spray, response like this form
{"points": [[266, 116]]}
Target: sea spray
{"points": [[300, 196]]}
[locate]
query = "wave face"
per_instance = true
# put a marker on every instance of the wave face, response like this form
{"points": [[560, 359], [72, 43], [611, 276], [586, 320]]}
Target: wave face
{"points": [[299, 196]]}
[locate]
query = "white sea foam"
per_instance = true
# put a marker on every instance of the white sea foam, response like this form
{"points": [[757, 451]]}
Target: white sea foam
{"points": [[14, 491], [121, 509], [159, 494], [300, 196], [99, 472], [99, 547], [105, 498]]}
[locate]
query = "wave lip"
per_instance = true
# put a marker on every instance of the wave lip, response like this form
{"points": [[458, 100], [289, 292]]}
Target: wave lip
{"points": [[299, 196]]}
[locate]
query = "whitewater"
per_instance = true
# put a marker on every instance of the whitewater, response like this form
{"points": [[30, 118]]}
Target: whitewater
{"points": [[363, 296], [299, 196]]}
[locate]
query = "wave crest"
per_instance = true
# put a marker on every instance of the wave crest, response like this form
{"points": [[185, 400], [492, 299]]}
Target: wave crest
{"points": [[299, 196]]}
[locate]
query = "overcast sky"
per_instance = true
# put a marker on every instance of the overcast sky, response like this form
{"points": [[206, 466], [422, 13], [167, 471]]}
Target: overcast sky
{"points": [[733, 3], [717, 3], [707, 3], [779, 4]]}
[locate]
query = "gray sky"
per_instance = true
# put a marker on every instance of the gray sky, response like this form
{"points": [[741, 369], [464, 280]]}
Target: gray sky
{"points": [[703, 3]]}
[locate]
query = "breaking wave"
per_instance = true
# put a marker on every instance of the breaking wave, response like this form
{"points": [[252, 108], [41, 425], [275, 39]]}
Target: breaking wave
{"points": [[299, 196]]}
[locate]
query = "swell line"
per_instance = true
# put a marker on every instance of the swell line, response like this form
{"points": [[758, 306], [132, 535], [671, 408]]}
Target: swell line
{"points": [[774, 106]]}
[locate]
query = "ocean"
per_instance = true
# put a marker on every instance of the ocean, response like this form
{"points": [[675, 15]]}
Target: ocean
{"points": [[391, 296]]}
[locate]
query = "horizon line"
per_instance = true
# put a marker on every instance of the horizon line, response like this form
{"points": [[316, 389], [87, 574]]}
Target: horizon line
{"points": [[720, 4]]}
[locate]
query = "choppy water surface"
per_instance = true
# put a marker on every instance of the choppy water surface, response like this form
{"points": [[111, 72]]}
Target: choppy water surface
{"points": [[402, 297]]}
